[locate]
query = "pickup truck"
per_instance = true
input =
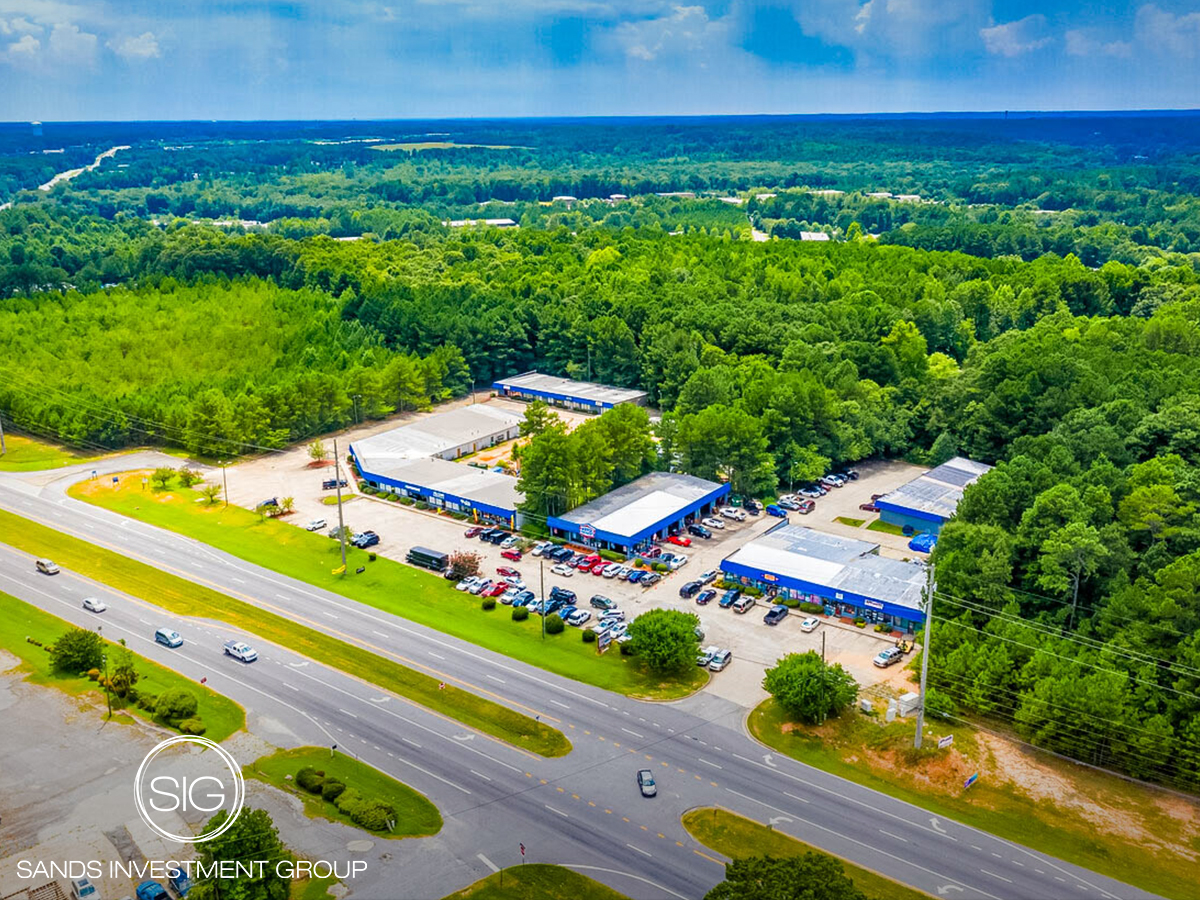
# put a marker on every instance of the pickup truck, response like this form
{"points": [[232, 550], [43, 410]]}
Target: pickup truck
{"points": [[241, 651], [333, 484]]}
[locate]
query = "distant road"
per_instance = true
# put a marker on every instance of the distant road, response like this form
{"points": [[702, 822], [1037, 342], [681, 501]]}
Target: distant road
{"points": [[71, 173]]}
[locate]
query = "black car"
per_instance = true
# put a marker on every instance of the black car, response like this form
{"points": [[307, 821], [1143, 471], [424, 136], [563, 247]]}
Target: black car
{"points": [[729, 598], [848, 474], [704, 597], [499, 536], [602, 602], [365, 539], [689, 589], [753, 507], [699, 531], [557, 593], [776, 615], [486, 534], [333, 484], [562, 554]]}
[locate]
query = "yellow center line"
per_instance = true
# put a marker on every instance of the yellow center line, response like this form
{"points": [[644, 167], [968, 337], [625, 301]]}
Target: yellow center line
{"points": [[709, 858]]}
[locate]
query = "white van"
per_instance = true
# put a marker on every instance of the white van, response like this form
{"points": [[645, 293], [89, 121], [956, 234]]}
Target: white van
{"points": [[46, 567]]}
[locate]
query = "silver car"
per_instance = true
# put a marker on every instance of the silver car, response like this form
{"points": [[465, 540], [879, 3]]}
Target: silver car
{"points": [[720, 660]]}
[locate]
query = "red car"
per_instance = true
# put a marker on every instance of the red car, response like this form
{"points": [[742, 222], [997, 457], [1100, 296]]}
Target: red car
{"points": [[472, 532], [598, 568], [680, 540], [868, 507], [496, 589], [652, 553], [514, 555], [587, 562], [508, 572], [805, 506]]}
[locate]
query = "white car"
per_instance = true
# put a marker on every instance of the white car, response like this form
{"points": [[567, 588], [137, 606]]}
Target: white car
{"points": [[541, 547], [467, 583], [508, 543], [480, 586], [712, 522], [676, 561], [809, 624], [579, 617], [611, 571], [242, 651], [315, 525], [564, 570], [732, 512], [833, 481], [510, 595], [91, 604]]}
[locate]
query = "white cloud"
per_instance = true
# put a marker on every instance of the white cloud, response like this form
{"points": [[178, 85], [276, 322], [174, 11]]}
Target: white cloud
{"points": [[1016, 38], [1162, 30], [71, 45], [25, 49], [23, 26], [894, 28], [143, 46], [1081, 43], [686, 30]]}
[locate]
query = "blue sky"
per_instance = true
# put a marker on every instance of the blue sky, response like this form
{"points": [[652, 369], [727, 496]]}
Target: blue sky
{"points": [[313, 59]]}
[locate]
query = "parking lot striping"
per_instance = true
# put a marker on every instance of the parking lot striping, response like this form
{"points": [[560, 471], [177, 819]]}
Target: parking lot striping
{"points": [[487, 862], [896, 836], [634, 733], [479, 775], [558, 811], [713, 764], [709, 858], [639, 850], [794, 797], [994, 875], [411, 743]]}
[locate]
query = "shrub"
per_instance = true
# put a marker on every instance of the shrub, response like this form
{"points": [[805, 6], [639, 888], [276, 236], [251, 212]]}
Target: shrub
{"points": [[393, 497], [175, 705], [860, 623], [371, 557], [882, 628], [789, 602], [78, 650], [146, 701], [406, 501], [194, 725], [661, 568], [309, 780], [612, 556], [363, 811], [554, 624], [520, 613], [93, 674], [488, 604], [421, 504], [331, 790], [627, 648], [362, 486], [751, 591], [589, 636], [812, 608]]}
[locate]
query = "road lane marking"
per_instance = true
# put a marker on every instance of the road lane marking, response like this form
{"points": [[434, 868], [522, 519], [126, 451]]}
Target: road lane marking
{"points": [[896, 836], [487, 862], [752, 800], [713, 764], [380, 633], [639, 850], [411, 743], [558, 811], [994, 875], [479, 775], [557, 703], [794, 797], [437, 656], [494, 678], [329, 614], [347, 712]]}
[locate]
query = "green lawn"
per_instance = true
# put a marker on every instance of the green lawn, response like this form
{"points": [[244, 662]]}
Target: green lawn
{"points": [[885, 527], [415, 815], [188, 598], [387, 585], [312, 889], [921, 778], [26, 454], [737, 837], [853, 523], [537, 882], [19, 620]]}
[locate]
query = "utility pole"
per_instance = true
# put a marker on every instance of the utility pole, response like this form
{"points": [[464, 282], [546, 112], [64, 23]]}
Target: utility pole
{"points": [[225, 480], [337, 478], [542, 575], [104, 662], [927, 642], [822, 645], [356, 398], [3, 446]]}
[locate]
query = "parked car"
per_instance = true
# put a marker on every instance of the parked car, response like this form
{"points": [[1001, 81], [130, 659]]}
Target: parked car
{"points": [[833, 481], [562, 554], [679, 540], [705, 657], [496, 589], [847, 474], [473, 531], [704, 597], [776, 614], [480, 586], [869, 507], [599, 601], [168, 637], [511, 554], [732, 512], [674, 560], [720, 660], [649, 579], [753, 507], [82, 889], [690, 589], [365, 539], [507, 572], [699, 531], [714, 523], [508, 543], [91, 604], [788, 504], [636, 575], [708, 577], [523, 598], [558, 593], [729, 598], [611, 570], [151, 890], [579, 618], [564, 570], [810, 624], [241, 651], [889, 656], [811, 492], [776, 511], [743, 604], [804, 507], [509, 596], [652, 553], [46, 567], [467, 583], [180, 883], [316, 525], [623, 573], [499, 536], [332, 484], [645, 780], [875, 497]]}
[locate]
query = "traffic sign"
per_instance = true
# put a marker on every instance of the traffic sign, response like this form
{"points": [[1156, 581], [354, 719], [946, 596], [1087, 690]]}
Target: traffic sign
{"points": [[970, 781], [945, 741]]}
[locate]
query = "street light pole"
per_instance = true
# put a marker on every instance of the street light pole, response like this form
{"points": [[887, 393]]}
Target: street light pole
{"points": [[337, 478], [542, 574], [926, 644], [225, 480], [3, 446]]}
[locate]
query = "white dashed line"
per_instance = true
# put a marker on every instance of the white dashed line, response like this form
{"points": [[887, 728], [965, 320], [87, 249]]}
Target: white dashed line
{"points": [[896, 836], [634, 733], [639, 850], [794, 797], [347, 713], [494, 678], [479, 775], [558, 811], [412, 743], [994, 875], [713, 764]]}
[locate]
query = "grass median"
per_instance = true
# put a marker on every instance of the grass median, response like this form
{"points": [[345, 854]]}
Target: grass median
{"points": [[385, 584], [19, 620], [1138, 835], [738, 837], [187, 598], [537, 882], [27, 455], [415, 815]]}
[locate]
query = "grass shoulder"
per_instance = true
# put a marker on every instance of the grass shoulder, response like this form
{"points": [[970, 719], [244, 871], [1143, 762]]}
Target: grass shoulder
{"points": [[385, 584], [20, 622], [737, 837], [415, 816], [189, 598], [26, 454], [1130, 832], [536, 882]]}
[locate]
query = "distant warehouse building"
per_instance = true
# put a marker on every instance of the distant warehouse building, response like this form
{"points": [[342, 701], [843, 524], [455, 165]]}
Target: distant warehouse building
{"points": [[564, 392], [447, 435], [847, 576], [631, 517], [925, 503]]}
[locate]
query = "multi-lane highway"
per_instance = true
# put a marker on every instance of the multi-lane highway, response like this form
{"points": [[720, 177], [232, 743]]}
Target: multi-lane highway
{"points": [[582, 810]]}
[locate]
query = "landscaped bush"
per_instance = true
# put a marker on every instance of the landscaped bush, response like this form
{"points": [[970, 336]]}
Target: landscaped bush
{"points": [[589, 636], [421, 504], [612, 556], [789, 602], [626, 649], [661, 568], [175, 705], [93, 674], [751, 591], [147, 701], [393, 497], [860, 623], [371, 557], [488, 604], [554, 624], [331, 790], [366, 812], [310, 780], [406, 501], [815, 608], [520, 614], [460, 516], [194, 725]]}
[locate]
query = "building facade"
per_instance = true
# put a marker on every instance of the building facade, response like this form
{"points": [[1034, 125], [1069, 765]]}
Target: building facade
{"points": [[928, 501], [578, 395]]}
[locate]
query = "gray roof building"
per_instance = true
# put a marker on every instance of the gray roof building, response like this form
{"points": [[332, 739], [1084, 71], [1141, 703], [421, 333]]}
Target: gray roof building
{"points": [[448, 435], [564, 391], [935, 495]]}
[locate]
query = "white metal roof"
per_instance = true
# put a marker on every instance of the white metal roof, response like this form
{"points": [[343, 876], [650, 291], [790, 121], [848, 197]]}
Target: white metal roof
{"points": [[938, 491], [467, 482], [642, 503], [436, 434], [583, 390]]}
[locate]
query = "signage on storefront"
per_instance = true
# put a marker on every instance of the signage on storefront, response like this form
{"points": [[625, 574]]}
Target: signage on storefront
{"points": [[873, 604], [587, 531], [767, 576]]}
